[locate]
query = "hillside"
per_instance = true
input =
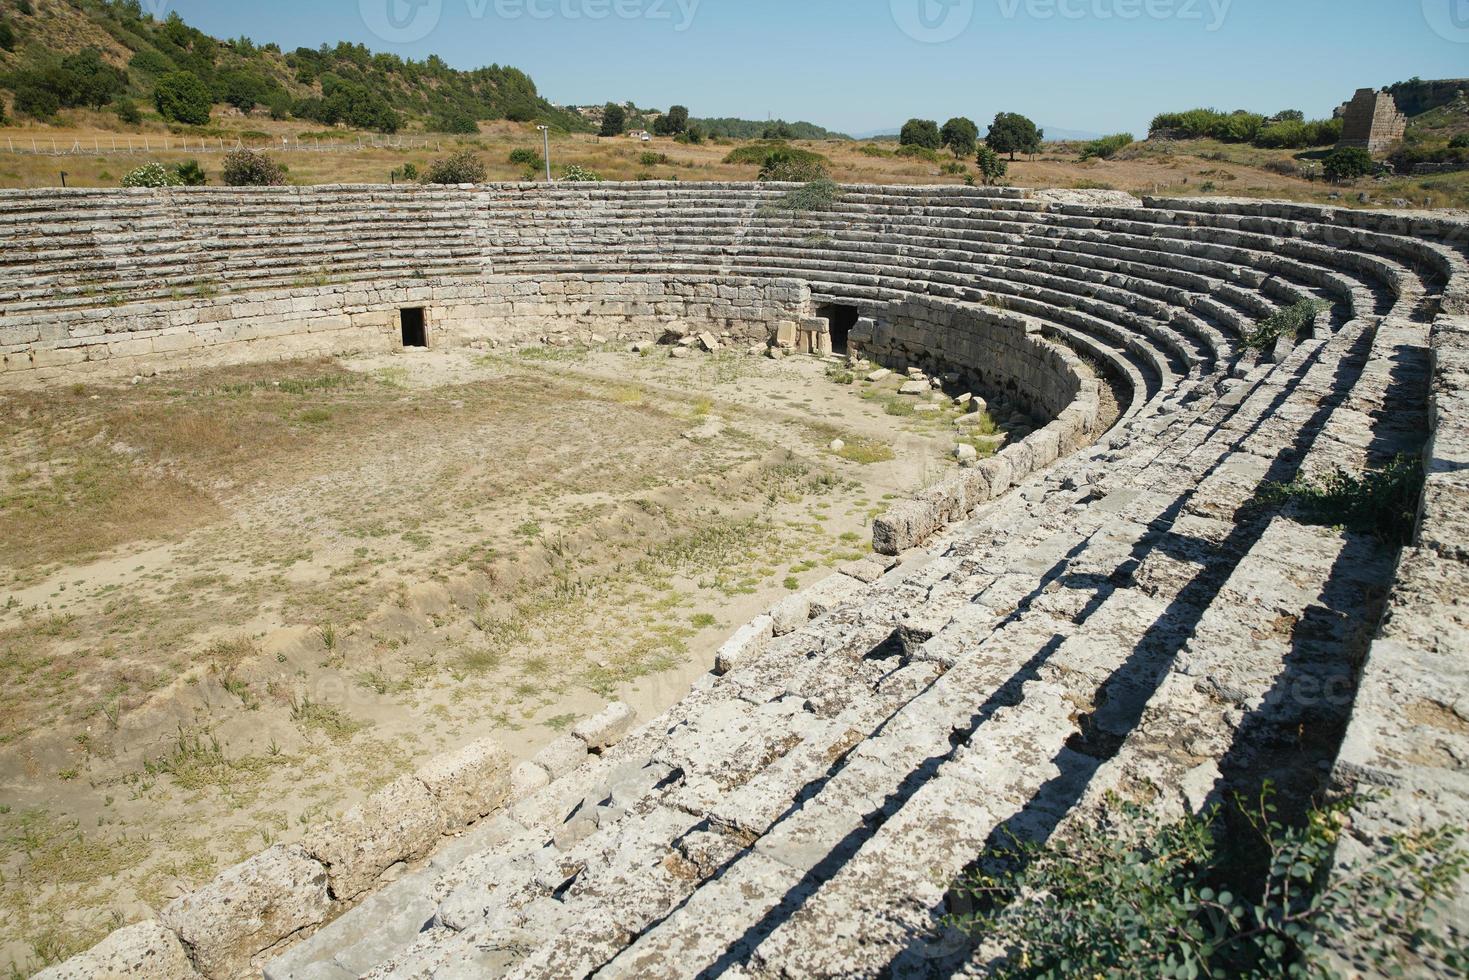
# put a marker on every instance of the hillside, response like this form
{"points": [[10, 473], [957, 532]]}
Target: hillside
{"points": [[59, 55]]}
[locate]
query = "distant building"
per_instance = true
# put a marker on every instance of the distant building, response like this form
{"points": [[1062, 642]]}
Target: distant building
{"points": [[1372, 121]]}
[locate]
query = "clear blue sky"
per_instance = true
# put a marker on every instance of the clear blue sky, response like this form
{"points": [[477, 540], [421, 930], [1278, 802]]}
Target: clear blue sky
{"points": [[1096, 65]]}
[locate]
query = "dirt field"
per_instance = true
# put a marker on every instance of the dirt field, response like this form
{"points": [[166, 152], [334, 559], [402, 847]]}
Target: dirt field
{"points": [[234, 602], [1195, 168]]}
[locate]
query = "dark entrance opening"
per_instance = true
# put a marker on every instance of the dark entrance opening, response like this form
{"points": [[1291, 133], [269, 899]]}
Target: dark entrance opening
{"points": [[842, 319], [415, 327]]}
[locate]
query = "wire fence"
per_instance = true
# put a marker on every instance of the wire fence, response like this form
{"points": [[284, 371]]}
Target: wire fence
{"points": [[146, 145]]}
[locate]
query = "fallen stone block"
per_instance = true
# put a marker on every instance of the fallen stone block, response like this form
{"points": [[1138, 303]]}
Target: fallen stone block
{"points": [[250, 908], [469, 783], [145, 951], [905, 525], [790, 614], [526, 779], [745, 644], [400, 822], [831, 592], [604, 730]]}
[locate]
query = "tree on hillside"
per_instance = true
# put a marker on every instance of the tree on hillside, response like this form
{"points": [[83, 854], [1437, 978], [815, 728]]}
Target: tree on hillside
{"points": [[614, 120], [673, 122], [1013, 133], [182, 97], [961, 136], [921, 132]]}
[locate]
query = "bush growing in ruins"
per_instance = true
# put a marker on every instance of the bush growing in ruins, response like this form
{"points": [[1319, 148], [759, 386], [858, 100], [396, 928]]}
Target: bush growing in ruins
{"points": [[1107, 147], [191, 174], [992, 169], [246, 168], [1347, 163], [181, 97], [1288, 322], [463, 167], [1131, 895], [152, 175], [1382, 503]]}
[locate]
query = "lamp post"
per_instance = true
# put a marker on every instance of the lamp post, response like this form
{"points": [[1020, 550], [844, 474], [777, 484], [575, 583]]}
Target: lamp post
{"points": [[546, 137]]}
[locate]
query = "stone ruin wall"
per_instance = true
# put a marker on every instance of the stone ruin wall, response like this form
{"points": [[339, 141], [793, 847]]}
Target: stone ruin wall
{"points": [[897, 649], [1372, 122]]}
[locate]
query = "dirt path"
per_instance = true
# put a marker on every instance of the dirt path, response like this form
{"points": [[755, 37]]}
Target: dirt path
{"points": [[233, 603]]}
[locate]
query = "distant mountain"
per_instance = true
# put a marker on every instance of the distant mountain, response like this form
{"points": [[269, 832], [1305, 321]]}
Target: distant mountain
{"points": [[70, 54], [877, 134], [1057, 133]]}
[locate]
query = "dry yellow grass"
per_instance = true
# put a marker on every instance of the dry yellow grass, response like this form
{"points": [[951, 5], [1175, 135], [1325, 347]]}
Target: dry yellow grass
{"points": [[1195, 169]]}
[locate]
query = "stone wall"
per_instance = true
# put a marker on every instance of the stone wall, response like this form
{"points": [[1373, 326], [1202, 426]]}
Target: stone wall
{"points": [[1371, 121], [49, 346]]}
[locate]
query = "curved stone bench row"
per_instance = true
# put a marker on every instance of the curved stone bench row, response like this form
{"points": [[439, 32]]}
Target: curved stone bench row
{"points": [[1112, 622]]}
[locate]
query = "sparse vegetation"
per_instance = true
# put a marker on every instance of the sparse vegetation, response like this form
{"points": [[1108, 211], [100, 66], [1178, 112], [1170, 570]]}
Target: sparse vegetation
{"points": [[1132, 895], [1381, 502], [1286, 323]]}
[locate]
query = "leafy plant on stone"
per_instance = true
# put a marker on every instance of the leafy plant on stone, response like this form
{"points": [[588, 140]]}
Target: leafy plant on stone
{"points": [[817, 195], [1288, 322], [1133, 896], [1382, 503]]}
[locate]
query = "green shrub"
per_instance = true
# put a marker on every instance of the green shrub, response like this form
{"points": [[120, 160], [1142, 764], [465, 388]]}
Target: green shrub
{"points": [[1382, 503], [7, 37], [454, 121], [1347, 163], [793, 165], [1132, 896], [152, 175], [579, 175], [651, 159], [992, 169], [191, 174], [127, 112], [151, 63], [463, 167], [524, 156], [247, 168], [759, 153], [693, 136], [1459, 142], [955, 168], [1107, 147], [1288, 323], [818, 195], [873, 150], [182, 97], [913, 151]]}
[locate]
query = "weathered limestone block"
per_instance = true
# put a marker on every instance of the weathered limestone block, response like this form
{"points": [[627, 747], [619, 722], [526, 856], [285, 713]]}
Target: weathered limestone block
{"points": [[526, 779], [469, 783], [400, 822], [746, 644], [905, 525], [562, 756], [790, 614], [606, 729], [250, 908], [146, 951]]}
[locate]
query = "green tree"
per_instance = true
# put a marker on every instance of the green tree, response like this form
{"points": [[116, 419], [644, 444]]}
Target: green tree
{"points": [[463, 167], [991, 168], [127, 112], [961, 136], [1013, 133], [673, 122], [191, 174], [921, 132], [614, 120], [7, 37], [1347, 163], [182, 97]]}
